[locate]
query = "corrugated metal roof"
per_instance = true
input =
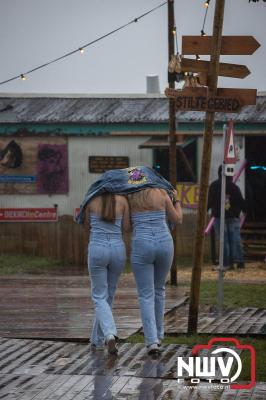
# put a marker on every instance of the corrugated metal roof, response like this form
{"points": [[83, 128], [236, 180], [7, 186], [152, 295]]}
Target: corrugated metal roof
{"points": [[114, 109]]}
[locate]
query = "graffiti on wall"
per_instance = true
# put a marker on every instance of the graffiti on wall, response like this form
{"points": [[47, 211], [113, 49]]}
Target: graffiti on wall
{"points": [[52, 168]]}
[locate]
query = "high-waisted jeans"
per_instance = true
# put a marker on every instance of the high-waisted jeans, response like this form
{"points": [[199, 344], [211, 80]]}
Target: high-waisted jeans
{"points": [[151, 259], [106, 261]]}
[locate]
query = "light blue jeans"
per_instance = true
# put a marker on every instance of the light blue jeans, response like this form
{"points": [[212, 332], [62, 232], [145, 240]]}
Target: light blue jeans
{"points": [[106, 261], [151, 258]]}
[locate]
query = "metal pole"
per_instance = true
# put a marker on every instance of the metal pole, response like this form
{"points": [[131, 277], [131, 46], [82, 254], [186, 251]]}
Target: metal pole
{"points": [[172, 130], [205, 169], [220, 287]]}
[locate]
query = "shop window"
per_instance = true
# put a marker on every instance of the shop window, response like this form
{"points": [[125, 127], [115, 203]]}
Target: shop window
{"points": [[186, 160]]}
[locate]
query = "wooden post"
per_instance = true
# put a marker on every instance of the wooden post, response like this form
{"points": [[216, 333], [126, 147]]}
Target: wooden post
{"points": [[172, 129], [205, 170]]}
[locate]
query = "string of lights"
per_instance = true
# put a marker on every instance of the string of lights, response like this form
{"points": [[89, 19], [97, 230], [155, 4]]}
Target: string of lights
{"points": [[202, 32], [82, 48], [207, 3]]}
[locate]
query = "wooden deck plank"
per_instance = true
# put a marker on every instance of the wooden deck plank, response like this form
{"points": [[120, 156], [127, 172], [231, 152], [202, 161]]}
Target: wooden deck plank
{"points": [[54, 307], [237, 321], [131, 375]]}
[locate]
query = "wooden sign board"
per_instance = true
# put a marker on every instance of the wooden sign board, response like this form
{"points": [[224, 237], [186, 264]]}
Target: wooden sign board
{"points": [[245, 96], [100, 164], [205, 103], [231, 45], [225, 69]]}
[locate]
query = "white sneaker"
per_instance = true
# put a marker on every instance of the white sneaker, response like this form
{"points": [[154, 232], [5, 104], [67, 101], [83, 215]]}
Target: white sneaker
{"points": [[153, 349], [111, 344]]}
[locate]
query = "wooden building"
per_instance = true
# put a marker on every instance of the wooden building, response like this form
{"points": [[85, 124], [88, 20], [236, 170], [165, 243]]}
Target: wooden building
{"points": [[53, 147]]}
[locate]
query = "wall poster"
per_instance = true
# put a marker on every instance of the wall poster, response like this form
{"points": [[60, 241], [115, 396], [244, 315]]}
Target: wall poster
{"points": [[33, 165]]}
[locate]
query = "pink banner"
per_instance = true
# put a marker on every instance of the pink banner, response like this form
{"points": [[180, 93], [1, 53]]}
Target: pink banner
{"points": [[28, 214]]}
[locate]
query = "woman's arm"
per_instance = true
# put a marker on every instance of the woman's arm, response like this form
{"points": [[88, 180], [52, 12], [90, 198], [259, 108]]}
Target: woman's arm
{"points": [[173, 212]]}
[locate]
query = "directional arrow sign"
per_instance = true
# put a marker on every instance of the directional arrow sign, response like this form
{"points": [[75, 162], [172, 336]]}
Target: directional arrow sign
{"points": [[244, 96], [229, 70], [231, 45]]}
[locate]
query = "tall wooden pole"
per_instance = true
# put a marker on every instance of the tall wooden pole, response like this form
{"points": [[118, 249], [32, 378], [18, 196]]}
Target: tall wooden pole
{"points": [[172, 129], [205, 169]]}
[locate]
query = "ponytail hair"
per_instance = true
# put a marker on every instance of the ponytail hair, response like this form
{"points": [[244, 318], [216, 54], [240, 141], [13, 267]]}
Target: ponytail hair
{"points": [[108, 207]]}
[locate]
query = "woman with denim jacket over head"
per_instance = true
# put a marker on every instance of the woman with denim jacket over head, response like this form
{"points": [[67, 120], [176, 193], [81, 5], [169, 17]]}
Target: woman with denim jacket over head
{"points": [[106, 215], [151, 256]]}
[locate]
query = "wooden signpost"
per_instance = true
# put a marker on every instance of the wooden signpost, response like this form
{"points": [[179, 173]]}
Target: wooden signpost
{"points": [[210, 99]]}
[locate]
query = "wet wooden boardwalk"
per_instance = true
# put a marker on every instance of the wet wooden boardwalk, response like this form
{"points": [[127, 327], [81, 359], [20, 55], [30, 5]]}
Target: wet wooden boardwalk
{"points": [[59, 307], [241, 321], [50, 370]]}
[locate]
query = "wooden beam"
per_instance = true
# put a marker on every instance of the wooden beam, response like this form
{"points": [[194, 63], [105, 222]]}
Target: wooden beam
{"points": [[205, 170], [231, 45], [225, 69]]}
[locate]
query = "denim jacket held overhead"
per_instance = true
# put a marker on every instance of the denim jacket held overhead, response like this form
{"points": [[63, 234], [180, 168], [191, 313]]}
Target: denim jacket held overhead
{"points": [[124, 181]]}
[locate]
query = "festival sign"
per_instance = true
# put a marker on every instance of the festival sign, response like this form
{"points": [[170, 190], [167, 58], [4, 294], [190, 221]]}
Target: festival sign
{"points": [[231, 45], [188, 194], [225, 69], [205, 103], [245, 96]]}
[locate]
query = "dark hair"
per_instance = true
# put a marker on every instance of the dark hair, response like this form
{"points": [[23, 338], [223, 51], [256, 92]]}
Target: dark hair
{"points": [[108, 207]]}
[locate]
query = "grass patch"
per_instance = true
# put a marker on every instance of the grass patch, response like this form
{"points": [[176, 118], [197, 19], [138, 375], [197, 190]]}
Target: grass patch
{"points": [[191, 340], [23, 264], [234, 295]]}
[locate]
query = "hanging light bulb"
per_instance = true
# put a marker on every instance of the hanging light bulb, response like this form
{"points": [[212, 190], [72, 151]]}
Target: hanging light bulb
{"points": [[174, 30], [81, 50], [23, 77], [207, 2], [202, 33]]}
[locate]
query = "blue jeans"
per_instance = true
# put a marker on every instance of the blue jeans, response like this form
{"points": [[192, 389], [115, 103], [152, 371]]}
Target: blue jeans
{"points": [[151, 259], [233, 251], [106, 261]]}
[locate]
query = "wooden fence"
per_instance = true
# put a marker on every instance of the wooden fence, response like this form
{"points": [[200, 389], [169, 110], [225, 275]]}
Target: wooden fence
{"points": [[66, 240]]}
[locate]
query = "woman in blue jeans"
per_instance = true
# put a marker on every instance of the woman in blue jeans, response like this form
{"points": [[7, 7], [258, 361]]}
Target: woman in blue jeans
{"points": [[106, 215], [151, 256]]}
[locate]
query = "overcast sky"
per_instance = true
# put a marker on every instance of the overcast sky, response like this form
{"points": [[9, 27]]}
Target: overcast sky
{"points": [[35, 31]]}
